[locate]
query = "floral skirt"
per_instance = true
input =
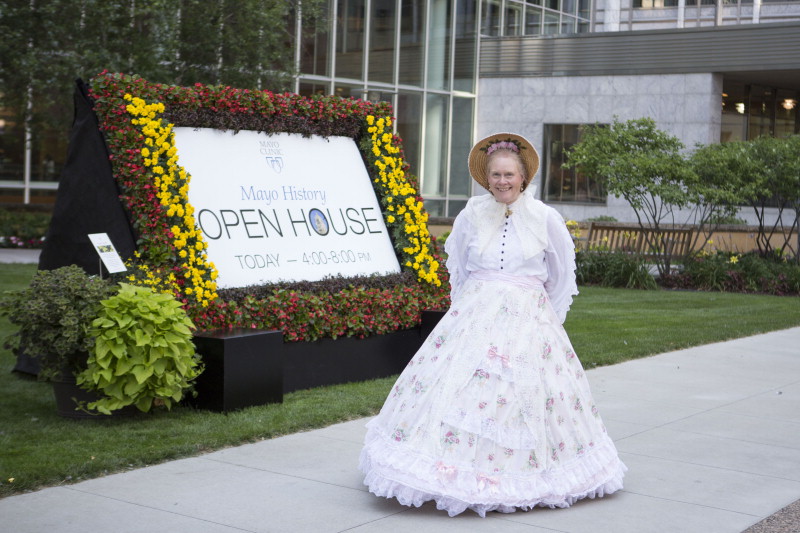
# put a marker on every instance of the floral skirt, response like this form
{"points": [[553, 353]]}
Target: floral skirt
{"points": [[494, 412]]}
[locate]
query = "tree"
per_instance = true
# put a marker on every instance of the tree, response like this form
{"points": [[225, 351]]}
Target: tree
{"points": [[642, 164], [723, 176], [778, 186], [792, 176], [47, 44]]}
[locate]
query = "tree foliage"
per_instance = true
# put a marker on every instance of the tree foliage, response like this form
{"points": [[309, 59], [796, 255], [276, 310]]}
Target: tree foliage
{"points": [[47, 44], [648, 168], [642, 164], [761, 174]]}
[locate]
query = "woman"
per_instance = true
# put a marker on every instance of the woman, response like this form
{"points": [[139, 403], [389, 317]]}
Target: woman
{"points": [[494, 411]]}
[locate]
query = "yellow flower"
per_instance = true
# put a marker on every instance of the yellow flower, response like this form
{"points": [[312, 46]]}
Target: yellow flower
{"points": [[390, 219], [734, 259]]}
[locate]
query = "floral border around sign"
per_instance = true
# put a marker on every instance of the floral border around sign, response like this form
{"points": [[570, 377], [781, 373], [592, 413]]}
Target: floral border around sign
{"points": [[137, 118]]}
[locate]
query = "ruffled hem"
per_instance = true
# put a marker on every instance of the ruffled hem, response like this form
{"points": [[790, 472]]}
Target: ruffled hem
{"points": [[392, 471]]}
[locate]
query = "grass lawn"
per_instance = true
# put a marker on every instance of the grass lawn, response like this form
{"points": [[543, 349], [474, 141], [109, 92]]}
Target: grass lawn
{"points": [[607, 326]]}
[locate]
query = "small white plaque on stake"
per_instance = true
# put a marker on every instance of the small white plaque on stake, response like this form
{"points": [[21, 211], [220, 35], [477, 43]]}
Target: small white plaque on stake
{"points": [[108, 254]]}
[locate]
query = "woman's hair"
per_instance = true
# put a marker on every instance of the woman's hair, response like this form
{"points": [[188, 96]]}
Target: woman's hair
{"points": [[518, 158]]}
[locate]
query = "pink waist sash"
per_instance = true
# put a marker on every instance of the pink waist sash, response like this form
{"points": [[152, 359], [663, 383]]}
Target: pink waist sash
{"points": [[525, 282]]}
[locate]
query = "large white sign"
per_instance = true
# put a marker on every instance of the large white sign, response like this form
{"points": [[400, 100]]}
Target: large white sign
{"points": [[283, 207]]}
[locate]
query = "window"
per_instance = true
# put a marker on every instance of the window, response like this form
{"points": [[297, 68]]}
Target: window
{"points": [[382, 41], [412, 42], [561, 184], [513, 19], [656, 3], [350, 39], [490, 18]]}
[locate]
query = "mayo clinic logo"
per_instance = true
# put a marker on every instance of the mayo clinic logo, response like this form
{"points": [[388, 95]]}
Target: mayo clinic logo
{"points": [[276, 163], [272, 152]]}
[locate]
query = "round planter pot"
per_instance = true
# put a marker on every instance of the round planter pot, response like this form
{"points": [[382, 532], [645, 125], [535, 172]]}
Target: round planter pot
{"points": [[69, 395]]}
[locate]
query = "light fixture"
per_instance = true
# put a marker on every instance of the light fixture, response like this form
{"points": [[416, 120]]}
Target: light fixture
{"points": [[789, 103], [740, 107]]}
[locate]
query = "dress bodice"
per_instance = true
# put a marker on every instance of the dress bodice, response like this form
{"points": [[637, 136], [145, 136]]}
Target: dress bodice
{"points": [[471, 249]]}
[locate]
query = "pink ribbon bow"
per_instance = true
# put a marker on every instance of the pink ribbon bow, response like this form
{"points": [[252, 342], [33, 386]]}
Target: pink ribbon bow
{"points": [[487, 482], [494, 355], [446, 472]]}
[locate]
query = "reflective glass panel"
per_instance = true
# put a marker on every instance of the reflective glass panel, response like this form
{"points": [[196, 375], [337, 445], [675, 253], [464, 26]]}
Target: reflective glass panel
{"points": [[551, 24], [786, 111], [412, 42], [562, 184], [349, 91], [349, 38], [466, 46], [460, 145], [513, 22], [454, 207], [409, 127], [382, 41], [435, 152], [533, 21], [439, 33], [314, 49], [309, 89], [490, 18], [435, 208], [734, 115], [761, 100]]}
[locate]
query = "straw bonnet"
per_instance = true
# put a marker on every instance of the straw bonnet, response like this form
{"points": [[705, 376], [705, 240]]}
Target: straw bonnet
{"points": [[478, 156]]}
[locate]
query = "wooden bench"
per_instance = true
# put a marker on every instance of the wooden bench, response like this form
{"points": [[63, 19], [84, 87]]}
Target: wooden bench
{"points": [[648, 242]]}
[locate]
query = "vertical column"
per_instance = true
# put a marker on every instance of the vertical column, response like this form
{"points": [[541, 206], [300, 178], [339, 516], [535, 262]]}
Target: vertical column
{"points": [[611, 15]]}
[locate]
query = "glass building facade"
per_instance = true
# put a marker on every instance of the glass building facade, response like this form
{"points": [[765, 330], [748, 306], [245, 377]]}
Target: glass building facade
{"points": [[506, 18], [419, 55]]}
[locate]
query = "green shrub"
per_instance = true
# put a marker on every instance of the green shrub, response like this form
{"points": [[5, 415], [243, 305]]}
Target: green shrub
{"points": [[602, 218], [52, 314], [22, 229], [726, 220], [613, 269], [730, 272]]}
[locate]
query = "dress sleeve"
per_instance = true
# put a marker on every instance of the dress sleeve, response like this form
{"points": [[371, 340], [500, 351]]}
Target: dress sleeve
{"points": [[560, 262], [456, 247]]}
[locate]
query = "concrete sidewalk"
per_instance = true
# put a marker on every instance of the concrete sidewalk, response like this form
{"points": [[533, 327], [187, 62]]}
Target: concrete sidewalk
{"points": [[710, 434], [19, 255]]}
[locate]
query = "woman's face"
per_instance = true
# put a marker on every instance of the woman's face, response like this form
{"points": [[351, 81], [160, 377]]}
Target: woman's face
{"points": [[505, 177]]}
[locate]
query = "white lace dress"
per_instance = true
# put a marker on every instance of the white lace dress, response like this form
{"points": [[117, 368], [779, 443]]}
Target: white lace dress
{"points": [[494, 411]]}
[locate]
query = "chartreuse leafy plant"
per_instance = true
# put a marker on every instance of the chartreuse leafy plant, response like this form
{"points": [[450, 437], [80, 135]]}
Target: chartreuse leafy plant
{"points": [[143, 353]]}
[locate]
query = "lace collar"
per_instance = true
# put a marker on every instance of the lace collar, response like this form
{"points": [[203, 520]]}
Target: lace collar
{"points": [[527, 214]]}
